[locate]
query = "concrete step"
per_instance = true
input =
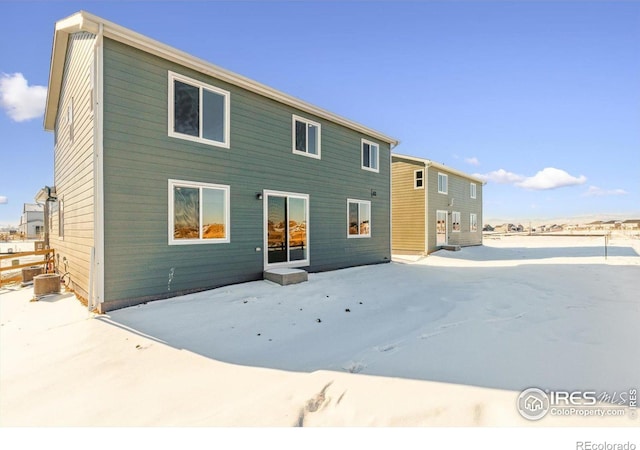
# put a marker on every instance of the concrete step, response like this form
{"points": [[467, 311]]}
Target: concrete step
{"points": [[286, 276], [452, 248]]}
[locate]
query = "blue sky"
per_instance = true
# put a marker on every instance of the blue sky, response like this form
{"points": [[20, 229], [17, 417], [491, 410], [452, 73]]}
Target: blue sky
{"points": [[542, 99]]}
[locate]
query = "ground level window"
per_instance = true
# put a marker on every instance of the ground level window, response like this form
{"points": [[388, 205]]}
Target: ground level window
{"points": [[198, 213], [473, 222], [455, 221], [359, 218]]}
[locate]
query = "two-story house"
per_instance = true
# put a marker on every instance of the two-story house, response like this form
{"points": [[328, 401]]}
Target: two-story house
{"points": [[173, 175], [434, 206], [32, 221]]}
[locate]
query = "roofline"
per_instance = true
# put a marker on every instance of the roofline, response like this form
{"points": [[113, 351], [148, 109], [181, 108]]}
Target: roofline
{"points": [[84, 21], [430, 163]]}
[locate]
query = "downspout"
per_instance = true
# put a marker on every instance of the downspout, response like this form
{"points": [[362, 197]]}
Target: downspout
{"points": [[96, 285], [426, 208], [392, 145]]}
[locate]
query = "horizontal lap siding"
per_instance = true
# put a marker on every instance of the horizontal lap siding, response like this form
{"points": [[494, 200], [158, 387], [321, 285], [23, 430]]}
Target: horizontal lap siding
{"points": [[140, 157], [73, 166], [459, 193], [408, 207]]}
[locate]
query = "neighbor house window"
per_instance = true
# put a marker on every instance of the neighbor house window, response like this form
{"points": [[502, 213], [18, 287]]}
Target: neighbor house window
{"points": [[198, 213], [473, 222], [455, 221], [418, 176], [443, 181], [370, 155], [359, 218], [306, 137], [472, 190], [198, 112]]}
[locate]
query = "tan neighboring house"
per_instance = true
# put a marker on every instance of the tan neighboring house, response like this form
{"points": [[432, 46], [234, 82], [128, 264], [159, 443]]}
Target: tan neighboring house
{"points": [[433, 206]]}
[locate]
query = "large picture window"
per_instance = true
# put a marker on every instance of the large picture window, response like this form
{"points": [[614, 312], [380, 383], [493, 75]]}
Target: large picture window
{"points": [[306, 137], [370, 155], [359, 218], [198, 112], [198, 213]]}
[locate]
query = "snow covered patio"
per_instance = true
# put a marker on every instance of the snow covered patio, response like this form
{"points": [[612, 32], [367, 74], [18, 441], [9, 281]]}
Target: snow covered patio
{"points": [[450, 339]]}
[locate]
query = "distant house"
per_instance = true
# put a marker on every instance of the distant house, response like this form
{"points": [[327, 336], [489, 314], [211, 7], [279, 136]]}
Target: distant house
{"points": [[488, 227], [631, 224], [32, 221], [433, 206], [174, 175]]}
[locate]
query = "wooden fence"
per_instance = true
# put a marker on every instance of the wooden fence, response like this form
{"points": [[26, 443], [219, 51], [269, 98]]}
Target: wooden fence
{"points": [[47, 255]]}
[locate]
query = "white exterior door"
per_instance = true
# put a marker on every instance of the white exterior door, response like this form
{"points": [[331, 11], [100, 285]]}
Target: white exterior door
{"points": [[441, 228]]}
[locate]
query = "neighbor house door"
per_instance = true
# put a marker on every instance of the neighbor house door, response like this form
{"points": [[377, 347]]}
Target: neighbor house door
{"points": [[441, 228], [286, 229]]}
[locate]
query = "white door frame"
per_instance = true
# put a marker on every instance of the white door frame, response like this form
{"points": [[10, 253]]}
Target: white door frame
{"points": [[440, 213], [265, 231]]}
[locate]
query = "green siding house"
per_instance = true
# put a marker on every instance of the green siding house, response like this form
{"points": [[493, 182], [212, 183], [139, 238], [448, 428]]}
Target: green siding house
{"points": [[173, 175], [434, 206]]}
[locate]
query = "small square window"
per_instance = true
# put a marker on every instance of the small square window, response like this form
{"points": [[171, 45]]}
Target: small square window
{"points": [[418, 179], [306, 137], [370, 155]]}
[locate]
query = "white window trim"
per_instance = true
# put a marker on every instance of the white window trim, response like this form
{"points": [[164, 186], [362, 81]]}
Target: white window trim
{"points": [[300, 263], [415, 179], [171, 110], [473, 216], [365, 141], [472, 190], [446, 183], [453, 221], [193, 184], [308, 122], [359, 202]]}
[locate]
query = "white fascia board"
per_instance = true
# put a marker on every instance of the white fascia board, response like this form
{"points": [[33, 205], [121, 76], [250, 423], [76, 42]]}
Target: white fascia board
{"points": [[442, 167], [88, 22]]}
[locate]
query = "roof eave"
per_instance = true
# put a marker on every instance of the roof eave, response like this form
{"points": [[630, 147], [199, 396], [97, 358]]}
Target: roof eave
{"points": [[83, 21], [430, 163]]}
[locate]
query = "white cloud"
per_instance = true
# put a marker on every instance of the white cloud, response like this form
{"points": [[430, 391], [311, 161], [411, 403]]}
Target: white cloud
{"points": [[3, 200], [550, 178], [595, 191], [473, 161], [500, 176], [21, 101]]}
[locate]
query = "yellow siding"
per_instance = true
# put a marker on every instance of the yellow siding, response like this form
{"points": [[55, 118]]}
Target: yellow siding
{"points": [[408, 207], [73, 171]]}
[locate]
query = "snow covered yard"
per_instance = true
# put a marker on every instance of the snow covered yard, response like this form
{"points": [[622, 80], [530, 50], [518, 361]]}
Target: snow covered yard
{"points": [[450, 339]]}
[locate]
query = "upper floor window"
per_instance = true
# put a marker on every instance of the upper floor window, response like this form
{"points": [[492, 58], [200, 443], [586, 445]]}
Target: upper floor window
{"points": [[306, 137], [198, 112], [443, 181], [418, 176], [370, 155], [472, 190]]}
